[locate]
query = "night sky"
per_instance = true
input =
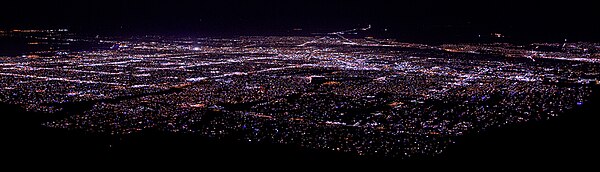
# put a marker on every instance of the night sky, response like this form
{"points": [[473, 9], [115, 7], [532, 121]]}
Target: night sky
{"points": [[411, 20]]}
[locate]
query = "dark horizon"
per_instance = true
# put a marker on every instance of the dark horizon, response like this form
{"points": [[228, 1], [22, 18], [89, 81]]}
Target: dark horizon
{"points": [[405, 20]]}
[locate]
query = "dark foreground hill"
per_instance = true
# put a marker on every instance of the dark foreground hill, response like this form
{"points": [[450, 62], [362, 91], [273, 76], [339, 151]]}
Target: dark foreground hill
{"points": [[569, 137]]}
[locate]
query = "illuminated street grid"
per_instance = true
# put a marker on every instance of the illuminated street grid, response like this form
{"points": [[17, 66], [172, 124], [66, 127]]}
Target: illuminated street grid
{"points": [[362, 96]]}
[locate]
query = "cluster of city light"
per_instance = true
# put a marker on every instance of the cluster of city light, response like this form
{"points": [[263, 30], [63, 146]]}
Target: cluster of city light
{"points": [[368, 98]]}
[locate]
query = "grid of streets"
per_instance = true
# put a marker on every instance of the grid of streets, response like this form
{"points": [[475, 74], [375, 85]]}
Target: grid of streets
{"points": [[370, 97]]}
